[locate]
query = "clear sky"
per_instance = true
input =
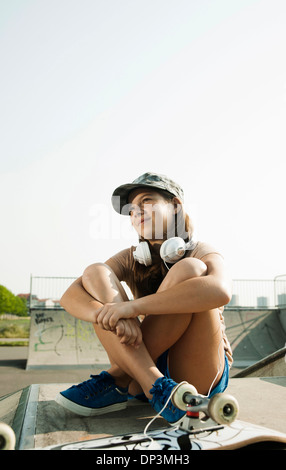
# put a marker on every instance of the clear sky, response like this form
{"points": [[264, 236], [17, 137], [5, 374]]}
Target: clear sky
{"points": [[94, 93]]}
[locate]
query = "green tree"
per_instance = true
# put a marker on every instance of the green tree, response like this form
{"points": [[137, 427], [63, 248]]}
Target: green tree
{"points": [[10, 303]]}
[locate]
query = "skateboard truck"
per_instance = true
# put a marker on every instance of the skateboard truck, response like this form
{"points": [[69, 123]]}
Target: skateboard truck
{"points": [[203, 412]]}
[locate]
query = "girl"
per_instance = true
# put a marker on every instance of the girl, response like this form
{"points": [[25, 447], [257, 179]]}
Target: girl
{"points": [[173, 330]]}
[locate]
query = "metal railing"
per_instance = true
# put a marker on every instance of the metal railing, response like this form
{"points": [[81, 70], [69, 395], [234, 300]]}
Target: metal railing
{"points": [[45, 292], [259, 293]]}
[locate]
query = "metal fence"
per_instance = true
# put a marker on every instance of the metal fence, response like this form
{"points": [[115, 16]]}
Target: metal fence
{"points": [[45, 292], [260, 293], [280, 290]]}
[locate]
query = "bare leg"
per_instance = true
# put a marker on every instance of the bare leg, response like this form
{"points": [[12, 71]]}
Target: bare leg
{"points": [[159, 332], [198, 356], [100, 282], [193, 340]]}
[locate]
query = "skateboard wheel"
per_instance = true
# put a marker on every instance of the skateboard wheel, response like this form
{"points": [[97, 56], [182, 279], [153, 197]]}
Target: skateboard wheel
{"points": [[7, 437], [223, 408], [179, 397]]}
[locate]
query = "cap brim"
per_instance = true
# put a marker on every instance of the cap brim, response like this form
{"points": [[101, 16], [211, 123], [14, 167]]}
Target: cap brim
{"points": [[120, 196]]}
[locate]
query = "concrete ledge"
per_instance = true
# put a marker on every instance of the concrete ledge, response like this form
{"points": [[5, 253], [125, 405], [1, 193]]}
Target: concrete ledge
{"points": [[42, 422]]}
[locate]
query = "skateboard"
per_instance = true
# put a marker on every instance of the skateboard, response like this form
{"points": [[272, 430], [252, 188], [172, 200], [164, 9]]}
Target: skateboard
{"points": [[7, 437], [209, 424]]}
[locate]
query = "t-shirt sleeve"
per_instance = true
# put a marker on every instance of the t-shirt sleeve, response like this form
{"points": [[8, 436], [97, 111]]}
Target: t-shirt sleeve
{"points": [[202, 249], [121, 264]]}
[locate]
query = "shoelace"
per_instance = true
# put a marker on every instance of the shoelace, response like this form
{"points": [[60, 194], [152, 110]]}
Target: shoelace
{"points": [[164, 393], [161, 392]]}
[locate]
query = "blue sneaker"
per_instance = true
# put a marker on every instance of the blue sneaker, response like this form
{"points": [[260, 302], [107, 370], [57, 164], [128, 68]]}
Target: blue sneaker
{"points": [[161, 392], [96, 396]]}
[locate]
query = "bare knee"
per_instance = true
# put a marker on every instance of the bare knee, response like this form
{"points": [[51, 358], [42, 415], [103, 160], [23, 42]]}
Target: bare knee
{"points": [[100, 281], [192, 267], [93, 277], [94, 270], [184, 269]]}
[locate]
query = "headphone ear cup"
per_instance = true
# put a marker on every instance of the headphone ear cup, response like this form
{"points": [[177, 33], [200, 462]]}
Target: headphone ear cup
{"points": [[142, 254], [172, 250]]}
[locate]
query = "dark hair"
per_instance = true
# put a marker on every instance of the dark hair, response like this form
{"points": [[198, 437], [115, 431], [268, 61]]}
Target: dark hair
{"points": [[149, 278]]}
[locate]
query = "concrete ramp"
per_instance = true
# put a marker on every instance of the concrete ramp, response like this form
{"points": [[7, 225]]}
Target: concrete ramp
{"points": [[273, 365], [58, 340], [254, 334], [38, 421]]}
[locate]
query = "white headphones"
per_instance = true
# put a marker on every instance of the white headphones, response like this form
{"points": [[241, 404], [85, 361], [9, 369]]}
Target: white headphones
{"points": [[171, 251]]}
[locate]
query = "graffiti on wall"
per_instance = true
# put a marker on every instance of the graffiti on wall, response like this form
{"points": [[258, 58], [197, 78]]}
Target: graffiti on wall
{"points": [[57, 338], [50, 329]]}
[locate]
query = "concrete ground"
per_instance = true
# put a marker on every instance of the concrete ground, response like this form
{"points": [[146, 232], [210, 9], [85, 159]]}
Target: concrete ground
{"points": [[14, 376]]}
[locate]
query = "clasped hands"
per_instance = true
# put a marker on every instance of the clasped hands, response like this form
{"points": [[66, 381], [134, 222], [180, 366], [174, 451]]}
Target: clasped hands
{"points": [[121, 318]]}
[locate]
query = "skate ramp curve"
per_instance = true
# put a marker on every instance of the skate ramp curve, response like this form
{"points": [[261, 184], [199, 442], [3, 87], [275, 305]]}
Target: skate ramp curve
{"points": [[58, 340], [254, 334], [273, 365]]}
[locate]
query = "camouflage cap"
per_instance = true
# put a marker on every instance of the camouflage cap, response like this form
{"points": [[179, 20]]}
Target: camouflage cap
{"points": [[148, 180]]}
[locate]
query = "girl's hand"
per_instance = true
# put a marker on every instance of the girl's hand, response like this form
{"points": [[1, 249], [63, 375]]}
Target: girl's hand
{"points": [[130, 332], [109, 315]]}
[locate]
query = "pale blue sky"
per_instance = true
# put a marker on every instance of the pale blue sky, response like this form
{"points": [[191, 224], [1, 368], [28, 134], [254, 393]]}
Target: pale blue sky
{"points": [[94, 93]]}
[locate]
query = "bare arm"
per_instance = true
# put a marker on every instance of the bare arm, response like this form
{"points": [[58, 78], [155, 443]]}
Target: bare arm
{"points": [[79, 303], [190, 296], [193, 295]]}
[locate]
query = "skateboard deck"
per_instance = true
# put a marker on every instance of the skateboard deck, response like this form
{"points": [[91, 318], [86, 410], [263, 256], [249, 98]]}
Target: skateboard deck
{"points": [[238, 435], [235, 436], [209, 424]]}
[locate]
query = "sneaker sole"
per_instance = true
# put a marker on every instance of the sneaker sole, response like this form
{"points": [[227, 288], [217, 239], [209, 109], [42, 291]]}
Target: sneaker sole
{"points": [[85, 411]]}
